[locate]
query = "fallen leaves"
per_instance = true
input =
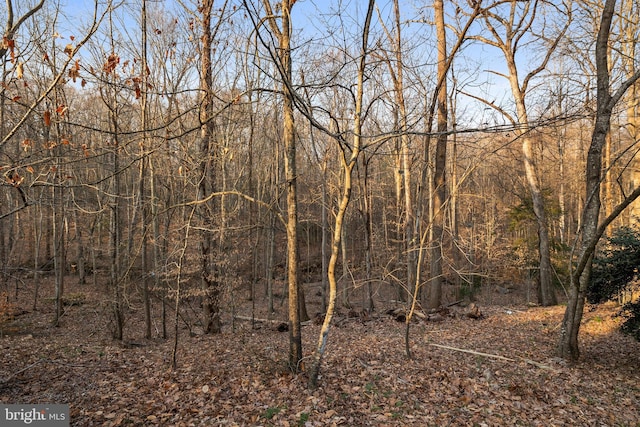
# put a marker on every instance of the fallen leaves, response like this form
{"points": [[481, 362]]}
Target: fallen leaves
{"points": [[240, 377]]}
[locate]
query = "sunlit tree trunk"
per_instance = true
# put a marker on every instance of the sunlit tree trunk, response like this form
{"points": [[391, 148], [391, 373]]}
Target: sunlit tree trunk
{"points": [[506, 32], [291, 177], [409, 209], [630, 31], [283, 34], [592, 230], [325, 237], [348, 161], [434, 299]]}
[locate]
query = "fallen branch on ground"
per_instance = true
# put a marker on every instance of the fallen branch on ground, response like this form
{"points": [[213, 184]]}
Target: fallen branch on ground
{"points": [[495, 356], [274, 321], [256, 319], [6, 380]]}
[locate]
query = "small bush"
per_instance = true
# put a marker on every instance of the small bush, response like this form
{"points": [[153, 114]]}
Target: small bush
{"points": [[631, 326], [615, 270]]}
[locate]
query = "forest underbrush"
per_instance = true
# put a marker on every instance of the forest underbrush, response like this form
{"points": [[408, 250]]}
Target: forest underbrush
{"points": [[496, 370]]}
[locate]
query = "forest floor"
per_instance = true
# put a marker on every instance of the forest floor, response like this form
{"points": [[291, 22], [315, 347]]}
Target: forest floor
{"points": [[496, 371]]}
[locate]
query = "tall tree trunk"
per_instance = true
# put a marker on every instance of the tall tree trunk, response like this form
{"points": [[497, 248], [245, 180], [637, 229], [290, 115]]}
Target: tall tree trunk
{"points": [[325, 238], [568, 345], [283, 34], [515, 27], [591, 230], [365, 210], [144, 160], [3, 221], [291, 177], [562, 204], [410, 238], [208, 247], [630, 31], [401, 292], [115, 232], [109, 95], [456, 251], [59, 245], [547, 294], [439, 177], [405, 210]]}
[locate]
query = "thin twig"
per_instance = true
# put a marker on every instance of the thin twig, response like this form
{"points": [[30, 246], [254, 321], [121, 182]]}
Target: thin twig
{"points": [[6, 380]]}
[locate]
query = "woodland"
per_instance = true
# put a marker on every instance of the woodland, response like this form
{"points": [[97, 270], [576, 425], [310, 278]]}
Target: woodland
{"points": [[296, 212]]}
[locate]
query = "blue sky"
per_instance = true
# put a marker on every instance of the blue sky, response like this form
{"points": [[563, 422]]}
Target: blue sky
{"points": [[312, 19]]}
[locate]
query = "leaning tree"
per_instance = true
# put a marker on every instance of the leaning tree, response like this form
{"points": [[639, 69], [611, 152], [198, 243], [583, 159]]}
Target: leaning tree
{"points": [[592, 229]]}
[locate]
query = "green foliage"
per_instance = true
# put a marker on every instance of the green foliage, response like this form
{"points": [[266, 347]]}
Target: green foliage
{"points": [[615, 269], [304, 417], [522, 215], [522, 219], [271, 412], [470, 286], [631, 326]]}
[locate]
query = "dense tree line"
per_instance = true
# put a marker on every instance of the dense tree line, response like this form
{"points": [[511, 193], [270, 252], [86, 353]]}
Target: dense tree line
{"points": [[395, 151]]}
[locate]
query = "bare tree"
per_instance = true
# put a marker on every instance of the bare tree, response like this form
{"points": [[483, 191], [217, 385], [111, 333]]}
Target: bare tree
{"points": [[12, 26], [592, 229], [8, 47], [349, 159], [439, 180], [207, 182], [283, 35], [630, 33], [508, 32]]}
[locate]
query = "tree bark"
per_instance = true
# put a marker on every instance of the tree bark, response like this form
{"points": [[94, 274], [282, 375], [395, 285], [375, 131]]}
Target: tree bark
{"points": [[439, 178], [144, 160], [208, 248], [568, 345], [283, 34], [547, 295], [515, 28], [291, 176], [591, 231]]}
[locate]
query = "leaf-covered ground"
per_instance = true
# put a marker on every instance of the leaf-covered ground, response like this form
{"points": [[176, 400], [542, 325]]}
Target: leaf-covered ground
{"points": [[240, 377]]}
